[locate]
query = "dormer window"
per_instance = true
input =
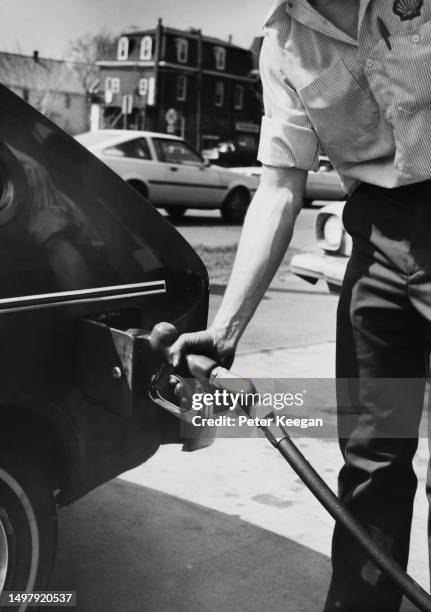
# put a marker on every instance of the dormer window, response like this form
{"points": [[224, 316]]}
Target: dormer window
{"points": [[146, 48], [182, 50], [123, 48], [220, 58]]}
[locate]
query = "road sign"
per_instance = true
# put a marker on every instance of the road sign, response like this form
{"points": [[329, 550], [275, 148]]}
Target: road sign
{"points": [[127, 104], [171, 116]]}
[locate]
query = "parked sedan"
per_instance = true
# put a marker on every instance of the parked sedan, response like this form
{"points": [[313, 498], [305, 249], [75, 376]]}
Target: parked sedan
{"points": [[324, 184], [170, 173], [336, 244]]}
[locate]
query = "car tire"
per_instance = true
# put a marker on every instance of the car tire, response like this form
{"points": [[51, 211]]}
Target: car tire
{"points": [[333, 288], [176, 212], [235, 206], [28, 523]]}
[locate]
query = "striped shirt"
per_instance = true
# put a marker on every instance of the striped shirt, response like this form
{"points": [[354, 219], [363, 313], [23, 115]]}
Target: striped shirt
{"points": [[365, 102]]}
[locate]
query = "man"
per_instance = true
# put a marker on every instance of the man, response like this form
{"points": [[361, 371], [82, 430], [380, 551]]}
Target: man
{"points": [[352, 77]]}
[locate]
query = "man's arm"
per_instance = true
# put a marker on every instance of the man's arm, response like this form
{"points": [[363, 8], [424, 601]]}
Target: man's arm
{"points": [[266, 234]]}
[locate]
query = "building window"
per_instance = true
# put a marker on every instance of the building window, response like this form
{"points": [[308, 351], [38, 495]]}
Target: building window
{"points": [[112, 84], [143, 87], [239, 97], [182, 50], [67, 100], [123, 48], [146, 48], [220, 57], [181, 87], [219, 94]]}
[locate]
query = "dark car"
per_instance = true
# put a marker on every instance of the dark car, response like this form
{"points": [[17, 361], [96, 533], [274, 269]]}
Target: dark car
{"points": [[87, 268]]}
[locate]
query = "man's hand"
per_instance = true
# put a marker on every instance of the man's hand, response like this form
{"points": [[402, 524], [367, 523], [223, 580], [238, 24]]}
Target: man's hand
{"points": [[209, 342]]}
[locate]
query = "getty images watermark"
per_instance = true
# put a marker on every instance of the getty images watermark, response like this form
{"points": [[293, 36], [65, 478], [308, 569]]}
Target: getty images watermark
{"points": [[311, 407], [227, 401]]}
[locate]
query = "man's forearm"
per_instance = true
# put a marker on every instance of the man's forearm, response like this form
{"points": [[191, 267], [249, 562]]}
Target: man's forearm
{"points": [[265, 237]]}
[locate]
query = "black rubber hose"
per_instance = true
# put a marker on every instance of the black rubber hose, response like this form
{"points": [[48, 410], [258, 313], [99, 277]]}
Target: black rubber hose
{"points": [[411, 589]]}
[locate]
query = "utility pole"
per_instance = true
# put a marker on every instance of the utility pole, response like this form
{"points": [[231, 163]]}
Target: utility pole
{"points": [[199, 92], [158, 54]]}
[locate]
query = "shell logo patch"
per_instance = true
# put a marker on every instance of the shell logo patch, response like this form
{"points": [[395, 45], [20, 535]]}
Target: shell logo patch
{"points": [[407, 9]]}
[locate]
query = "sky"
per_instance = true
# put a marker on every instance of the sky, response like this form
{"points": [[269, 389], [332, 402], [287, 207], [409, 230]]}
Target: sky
{"points": [[48, 25]]}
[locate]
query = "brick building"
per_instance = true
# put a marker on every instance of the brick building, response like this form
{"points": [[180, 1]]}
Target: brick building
{"points": [[184, 83], [51, 86]]}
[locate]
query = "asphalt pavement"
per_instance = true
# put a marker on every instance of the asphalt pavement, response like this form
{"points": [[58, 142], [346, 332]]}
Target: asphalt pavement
{"points": [[231, 527]]}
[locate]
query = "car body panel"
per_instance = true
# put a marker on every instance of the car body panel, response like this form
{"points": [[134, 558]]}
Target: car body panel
{"points": [[328, 262], [317, 266], [192, 184], [84, 256], [321, 185]]}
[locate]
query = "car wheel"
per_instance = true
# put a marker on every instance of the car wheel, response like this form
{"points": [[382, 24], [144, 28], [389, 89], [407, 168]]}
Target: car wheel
{"points": [[235, 206], [175, 212], [28, 523], [333, 288]]}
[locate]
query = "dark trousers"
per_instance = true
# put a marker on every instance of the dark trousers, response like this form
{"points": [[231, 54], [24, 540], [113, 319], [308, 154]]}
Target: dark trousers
{"points": [[383, 332]]}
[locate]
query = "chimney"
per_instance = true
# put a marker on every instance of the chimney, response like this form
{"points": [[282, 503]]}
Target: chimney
{"points": [[230, 39], [36, 56]]}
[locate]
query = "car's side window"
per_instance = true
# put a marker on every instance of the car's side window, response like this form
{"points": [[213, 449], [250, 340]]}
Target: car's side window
{"points": [[135, 149], [175, 152]]}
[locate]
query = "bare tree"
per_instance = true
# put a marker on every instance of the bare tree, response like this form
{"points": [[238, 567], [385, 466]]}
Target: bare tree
{"points": [[85, 51]]}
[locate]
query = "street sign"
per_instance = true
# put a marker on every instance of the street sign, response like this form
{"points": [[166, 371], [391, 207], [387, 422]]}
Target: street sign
{"points": [[171, 116], [127, 104]]}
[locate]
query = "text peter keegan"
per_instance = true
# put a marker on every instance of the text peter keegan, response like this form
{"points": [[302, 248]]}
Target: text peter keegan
{"points": [[239, 411]]}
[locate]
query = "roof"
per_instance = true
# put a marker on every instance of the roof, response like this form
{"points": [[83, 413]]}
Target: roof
{"points": [[24, 71], [191, 33]]}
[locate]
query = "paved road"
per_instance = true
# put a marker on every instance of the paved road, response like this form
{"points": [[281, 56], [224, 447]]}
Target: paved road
{"points": [[207, 227], [230, 527]]}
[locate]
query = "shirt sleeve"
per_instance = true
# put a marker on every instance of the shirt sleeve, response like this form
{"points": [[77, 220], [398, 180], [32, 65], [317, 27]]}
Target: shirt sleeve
{"points": [[287, 138]]}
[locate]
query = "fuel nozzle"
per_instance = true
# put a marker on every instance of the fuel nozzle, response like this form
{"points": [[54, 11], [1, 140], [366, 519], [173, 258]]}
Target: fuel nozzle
{"points": [[163, 337], [201, 366]]}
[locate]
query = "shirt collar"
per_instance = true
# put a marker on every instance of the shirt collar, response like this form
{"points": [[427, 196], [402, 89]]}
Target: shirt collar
{"points": [[302, 11]]}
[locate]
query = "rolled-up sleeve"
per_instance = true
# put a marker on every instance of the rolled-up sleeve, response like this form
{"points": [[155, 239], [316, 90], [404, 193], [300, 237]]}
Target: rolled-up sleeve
{"points": [[287, 138]]}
